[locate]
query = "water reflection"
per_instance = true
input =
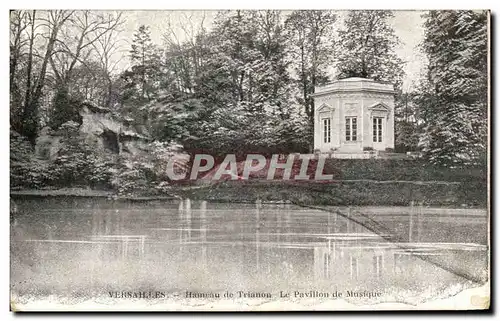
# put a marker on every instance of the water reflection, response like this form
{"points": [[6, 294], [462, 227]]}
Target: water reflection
{"points": [[189, 244]]}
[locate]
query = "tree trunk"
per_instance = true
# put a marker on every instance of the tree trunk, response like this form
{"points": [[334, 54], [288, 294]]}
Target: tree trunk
{"points": [[110, 92], [32, 101], [143, 72], [29, 121], [304, 79]]}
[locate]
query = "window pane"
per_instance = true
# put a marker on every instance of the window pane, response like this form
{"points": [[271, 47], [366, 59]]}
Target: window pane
{"points": [[351, 128], [326, 130], [347, 129], [377, 129]]}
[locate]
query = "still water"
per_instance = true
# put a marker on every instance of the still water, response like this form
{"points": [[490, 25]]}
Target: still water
{"points": [[80, 247]]}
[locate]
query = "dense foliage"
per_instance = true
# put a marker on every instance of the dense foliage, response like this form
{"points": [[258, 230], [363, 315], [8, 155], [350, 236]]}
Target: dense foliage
{"points": [[366, 48], [454, 94]]}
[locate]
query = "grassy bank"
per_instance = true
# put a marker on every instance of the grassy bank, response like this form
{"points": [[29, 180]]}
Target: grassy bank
{"points": [[362, 182], [353, 193], [400, 169], [341, 193]]}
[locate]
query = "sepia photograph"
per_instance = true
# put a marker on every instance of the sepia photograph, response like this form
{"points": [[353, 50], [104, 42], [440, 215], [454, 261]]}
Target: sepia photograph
{"points": [[249, 160]]}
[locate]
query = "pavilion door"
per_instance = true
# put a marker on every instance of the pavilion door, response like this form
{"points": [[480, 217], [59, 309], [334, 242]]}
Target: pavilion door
{"points": [[326, 131], [378, 133]]}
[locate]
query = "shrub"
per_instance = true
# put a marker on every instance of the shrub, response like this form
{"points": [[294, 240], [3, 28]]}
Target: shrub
{"points": [[367, 148], [74, 161], [27, 171], [102, 172], [163, 187], [128, 181], [145, 172], [79, 162], [20, 159]]}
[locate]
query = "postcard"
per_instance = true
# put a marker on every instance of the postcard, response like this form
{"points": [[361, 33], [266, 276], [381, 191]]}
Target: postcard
{"points": [[249, 160]]}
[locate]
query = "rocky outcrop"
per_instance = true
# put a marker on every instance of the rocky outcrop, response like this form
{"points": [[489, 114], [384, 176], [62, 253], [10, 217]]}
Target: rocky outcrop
{"points": [[101, 128]]}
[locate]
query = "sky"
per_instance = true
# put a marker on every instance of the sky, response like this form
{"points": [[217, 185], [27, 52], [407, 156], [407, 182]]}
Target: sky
{"points": [[407, 25]]}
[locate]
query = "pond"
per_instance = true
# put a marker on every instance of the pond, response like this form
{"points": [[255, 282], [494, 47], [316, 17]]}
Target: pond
{"points": [[89, 248]]}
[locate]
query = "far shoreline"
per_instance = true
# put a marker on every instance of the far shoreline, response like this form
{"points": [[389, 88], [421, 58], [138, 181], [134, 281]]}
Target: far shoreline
{"points": [[223, 195]]}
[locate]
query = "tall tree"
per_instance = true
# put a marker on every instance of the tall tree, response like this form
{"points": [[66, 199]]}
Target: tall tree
{"points": [[270, 40], [74, 48], [408, 122], [107, 49], [19, 23], [35, 71], [456, 44], [185, 54], [310, 42], [366, 47], [236, 53], [144, 56]]}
